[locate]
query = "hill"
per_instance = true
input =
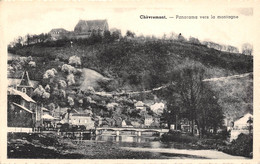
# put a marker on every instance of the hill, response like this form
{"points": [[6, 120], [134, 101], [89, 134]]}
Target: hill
{"points": [[141, 65], [235, 95], [90, 79], [136, 65]]}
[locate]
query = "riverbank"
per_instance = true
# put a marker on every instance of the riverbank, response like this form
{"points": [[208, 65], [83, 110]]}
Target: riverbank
{"points": [[52, 146], [242, 146]]}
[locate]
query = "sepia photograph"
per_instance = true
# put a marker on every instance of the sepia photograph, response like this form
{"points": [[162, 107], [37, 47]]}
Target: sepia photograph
{"points": [[128, 80]]}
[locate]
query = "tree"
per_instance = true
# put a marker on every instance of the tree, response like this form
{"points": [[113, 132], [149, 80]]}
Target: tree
{"points": [[74, 60], [107, 36], [70, 79], [194, 40], [172, 113], [189, 98], [19, 42], [181, 38], [247, 49], [116, 35], [40, 95], [69, 69], [50, 73], [130, 34], [189, 86], [250, 124], [28, 39], [232, 49], [210, 114]]}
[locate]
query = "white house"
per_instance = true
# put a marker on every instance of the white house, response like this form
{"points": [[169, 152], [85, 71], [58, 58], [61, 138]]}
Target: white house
{"points": [[157, 108], [82, 119], [140, 105], [148, 120], [241, 126]]}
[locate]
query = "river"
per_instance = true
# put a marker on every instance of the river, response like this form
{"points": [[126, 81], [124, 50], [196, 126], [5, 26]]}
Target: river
{"points": [[144, 147]]}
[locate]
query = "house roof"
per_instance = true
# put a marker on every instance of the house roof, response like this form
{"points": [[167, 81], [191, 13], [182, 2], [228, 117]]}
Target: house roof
{"points": [[45, 109], [86, 25], [48, 117], [17, 81], [25, 81], [12, 91], [244, 119], [96, 24], [58, 30], [127, 122], [139, 104], [22, 107], [81, 114]]}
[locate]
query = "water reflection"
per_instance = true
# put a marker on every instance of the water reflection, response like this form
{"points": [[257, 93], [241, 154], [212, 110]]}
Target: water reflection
{"points": [[123, 138]]}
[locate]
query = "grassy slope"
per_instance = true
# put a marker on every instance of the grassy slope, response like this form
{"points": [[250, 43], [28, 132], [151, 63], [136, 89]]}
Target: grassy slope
{"points": [[236, 95]]}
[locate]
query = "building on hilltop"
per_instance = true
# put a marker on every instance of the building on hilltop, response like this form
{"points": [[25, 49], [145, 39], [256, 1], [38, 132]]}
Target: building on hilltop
{"points": [[58, 33], [85, 28]]}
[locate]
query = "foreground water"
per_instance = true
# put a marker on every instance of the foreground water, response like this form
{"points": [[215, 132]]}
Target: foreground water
{"points": [[105, 146], [144, 147]]}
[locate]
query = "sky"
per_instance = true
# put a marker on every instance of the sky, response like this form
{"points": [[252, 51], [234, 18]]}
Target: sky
{"points": [[20, 19]]}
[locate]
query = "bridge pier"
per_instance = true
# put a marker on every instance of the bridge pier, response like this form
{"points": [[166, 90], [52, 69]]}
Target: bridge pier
{"points": [[139, 133], [117, 133]]}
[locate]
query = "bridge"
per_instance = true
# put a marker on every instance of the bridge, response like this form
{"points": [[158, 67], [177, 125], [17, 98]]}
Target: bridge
{"points": [[138, 131]]}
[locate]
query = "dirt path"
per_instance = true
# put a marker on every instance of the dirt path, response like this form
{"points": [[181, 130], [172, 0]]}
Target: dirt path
{"points": [[211, 154]]}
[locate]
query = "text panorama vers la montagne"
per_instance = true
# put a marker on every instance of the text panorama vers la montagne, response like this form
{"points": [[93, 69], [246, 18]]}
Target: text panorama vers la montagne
{"points": [[189, 17]]}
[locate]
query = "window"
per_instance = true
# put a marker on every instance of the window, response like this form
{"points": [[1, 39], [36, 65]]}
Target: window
{"points": [[24, 90]]}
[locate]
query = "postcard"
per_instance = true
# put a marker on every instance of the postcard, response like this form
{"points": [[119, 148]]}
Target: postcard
{"points": [[129, 81]]}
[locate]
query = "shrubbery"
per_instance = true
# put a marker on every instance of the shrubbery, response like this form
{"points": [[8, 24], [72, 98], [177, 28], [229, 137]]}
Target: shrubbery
{"points": [[176, 136], [242, 146]]}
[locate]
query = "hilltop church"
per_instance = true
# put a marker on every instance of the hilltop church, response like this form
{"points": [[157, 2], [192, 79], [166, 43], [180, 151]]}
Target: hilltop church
{"points": [[83, 29]]}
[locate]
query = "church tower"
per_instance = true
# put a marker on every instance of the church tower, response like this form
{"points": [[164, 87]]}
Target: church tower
{"points": [[25, 85]]}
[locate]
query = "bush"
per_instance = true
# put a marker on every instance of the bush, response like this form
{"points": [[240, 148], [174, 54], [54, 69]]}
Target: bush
{"points": [[223, 135], [242, 146], [176, 136]]}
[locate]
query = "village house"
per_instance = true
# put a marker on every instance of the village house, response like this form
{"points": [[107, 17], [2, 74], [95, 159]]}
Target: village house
{"points": [[140, 106], [127, 124], [186, 126], [99, 120], [48, 120], [157, 108], [82, 119], [23, 113], [242, 125], [148, 120], [76, 118], [135, 124]]}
